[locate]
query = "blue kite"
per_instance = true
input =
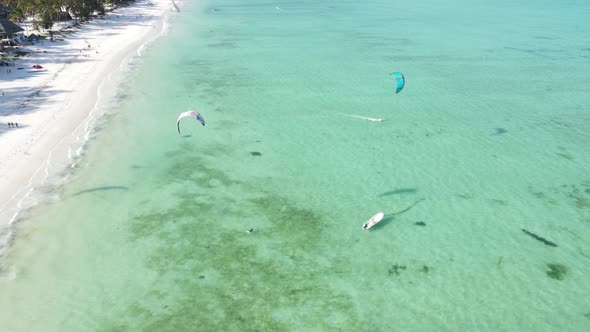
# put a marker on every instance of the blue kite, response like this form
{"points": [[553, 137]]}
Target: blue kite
{"points": [[400, 81]]}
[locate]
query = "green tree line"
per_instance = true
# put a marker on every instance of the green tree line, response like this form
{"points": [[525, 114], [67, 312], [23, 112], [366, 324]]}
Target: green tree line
{"points": [[47, 11]]}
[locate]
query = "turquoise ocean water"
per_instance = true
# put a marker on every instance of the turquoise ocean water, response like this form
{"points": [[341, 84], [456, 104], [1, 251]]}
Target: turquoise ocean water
{"points": [[489, 137]]}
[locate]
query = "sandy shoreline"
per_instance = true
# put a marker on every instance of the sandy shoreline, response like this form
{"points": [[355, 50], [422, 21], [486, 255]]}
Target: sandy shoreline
{"points": [[57, 106]]}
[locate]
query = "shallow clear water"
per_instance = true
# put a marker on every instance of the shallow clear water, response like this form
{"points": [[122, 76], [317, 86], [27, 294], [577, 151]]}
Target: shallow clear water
{"points": [[489, 137]]}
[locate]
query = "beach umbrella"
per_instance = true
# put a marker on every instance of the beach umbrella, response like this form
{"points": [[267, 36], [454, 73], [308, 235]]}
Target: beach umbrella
{"points": [[8, 28]]}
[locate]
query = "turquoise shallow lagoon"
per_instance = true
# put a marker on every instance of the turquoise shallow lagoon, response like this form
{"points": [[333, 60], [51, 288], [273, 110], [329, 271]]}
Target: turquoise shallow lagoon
{"points": [[489, 137]]}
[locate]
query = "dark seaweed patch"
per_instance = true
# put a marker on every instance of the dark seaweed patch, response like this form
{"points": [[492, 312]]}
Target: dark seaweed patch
{"points": [[500, 261], [499, 201], [557, 271], [420, 223], [426, 269], [396, 269], [577, 194], [248, 279], [255, 154]]}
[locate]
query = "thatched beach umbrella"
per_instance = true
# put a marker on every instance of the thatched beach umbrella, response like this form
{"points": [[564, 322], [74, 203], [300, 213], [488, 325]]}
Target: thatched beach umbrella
{"points": [[8, 28]]}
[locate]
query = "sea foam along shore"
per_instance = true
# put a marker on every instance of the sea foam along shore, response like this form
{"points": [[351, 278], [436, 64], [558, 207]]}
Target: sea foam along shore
{"points": [[57, 106]]}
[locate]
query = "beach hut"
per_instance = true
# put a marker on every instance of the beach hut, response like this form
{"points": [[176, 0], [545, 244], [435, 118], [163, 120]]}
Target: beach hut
{"points": [[8, 28]]}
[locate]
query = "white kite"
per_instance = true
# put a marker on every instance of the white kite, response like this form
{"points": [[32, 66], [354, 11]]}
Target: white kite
{"points": [[189, 114]]}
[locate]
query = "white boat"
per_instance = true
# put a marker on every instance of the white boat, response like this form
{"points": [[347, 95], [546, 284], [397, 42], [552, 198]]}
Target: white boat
{"points": [[373, 220]]}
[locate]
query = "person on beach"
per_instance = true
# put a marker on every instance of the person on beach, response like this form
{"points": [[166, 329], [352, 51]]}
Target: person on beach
{"points": [[16, 124], [10, 125]]}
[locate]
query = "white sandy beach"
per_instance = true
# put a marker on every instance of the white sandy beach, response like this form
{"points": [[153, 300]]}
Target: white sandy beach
{"points": [[56, 107]]}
